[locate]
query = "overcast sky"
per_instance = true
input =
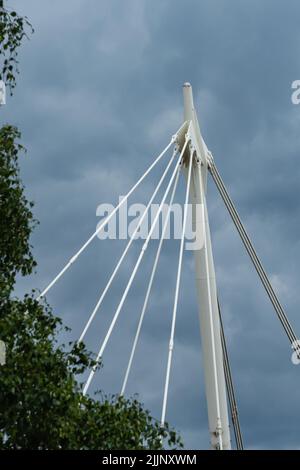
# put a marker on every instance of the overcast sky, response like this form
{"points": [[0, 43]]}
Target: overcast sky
{"points": [[100, 93]]}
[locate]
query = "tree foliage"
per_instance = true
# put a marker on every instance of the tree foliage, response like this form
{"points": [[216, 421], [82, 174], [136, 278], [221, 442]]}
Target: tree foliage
{"points": [[13, 29], [41, 402], [16, 218]]}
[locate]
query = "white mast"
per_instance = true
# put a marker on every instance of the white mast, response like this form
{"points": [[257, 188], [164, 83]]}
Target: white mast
{"points": [[195, 160], [206, 287]]}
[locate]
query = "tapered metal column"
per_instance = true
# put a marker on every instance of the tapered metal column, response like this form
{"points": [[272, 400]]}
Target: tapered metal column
{"points": [[206, 290]]}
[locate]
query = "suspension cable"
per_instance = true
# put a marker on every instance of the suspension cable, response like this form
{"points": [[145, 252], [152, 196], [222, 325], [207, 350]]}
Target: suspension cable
{"points": [[132, 238], [252, 253], [135, 269], [139, 327], [179, 269], [105, 222], [230, 388]]}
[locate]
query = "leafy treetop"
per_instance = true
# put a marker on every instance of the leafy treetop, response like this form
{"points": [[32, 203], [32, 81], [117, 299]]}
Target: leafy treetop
{"points": [[13, 29]]}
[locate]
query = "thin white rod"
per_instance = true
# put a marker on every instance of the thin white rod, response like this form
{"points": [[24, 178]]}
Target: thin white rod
{"points": [[214, 358], [149, 289], [171, 343], [105, 222], [98, 304], [100, 353]]}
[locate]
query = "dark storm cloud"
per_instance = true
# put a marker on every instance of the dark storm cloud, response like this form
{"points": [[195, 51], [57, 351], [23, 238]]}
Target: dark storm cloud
{"points": [[98, 96]]}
